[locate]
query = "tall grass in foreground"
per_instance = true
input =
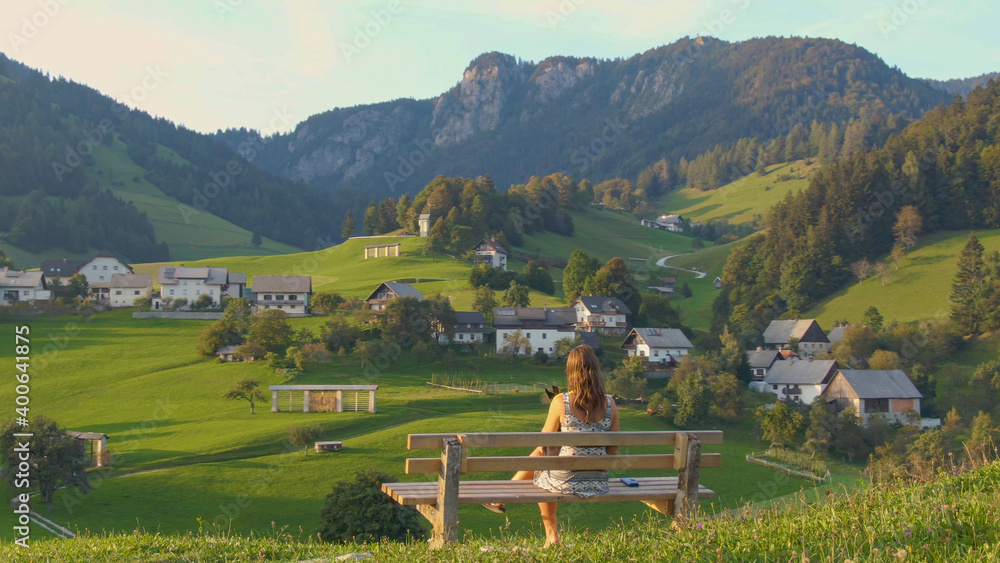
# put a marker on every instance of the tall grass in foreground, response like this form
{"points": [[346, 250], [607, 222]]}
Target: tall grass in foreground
{"points": [[952, 518]]}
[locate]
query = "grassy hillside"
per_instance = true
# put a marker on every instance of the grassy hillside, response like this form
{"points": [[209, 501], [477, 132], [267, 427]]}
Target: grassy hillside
{"points": [[343, 268], [190, 234], [952, 518], [604, 234], [918, 290], [697, 309], [742, 201], [182, 452]]}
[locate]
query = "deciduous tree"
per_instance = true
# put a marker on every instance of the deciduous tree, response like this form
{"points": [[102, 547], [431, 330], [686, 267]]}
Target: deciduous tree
{"points": [[303, 436], [54, 458], [247, 389]]}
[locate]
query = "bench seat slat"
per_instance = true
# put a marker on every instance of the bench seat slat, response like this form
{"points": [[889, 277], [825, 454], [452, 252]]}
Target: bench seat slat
{"points": [[487, 464], [533, 439], [515, 492]]}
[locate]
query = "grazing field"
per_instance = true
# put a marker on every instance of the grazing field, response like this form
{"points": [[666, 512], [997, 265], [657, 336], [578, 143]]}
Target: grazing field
{"points": [[604, 234], [343, 269], [918, 290], [745, 200], [182, 453]]}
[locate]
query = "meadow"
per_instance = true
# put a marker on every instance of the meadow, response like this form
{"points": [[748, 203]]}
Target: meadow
{"points": [[927, 273], [741, 201], [184, 457]]}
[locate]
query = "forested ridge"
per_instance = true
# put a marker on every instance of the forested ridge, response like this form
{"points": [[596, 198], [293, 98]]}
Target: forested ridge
{"points": [[941, 173], [48, 127]]}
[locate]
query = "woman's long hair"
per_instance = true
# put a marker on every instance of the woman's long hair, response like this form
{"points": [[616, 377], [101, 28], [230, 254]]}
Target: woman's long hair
{"points": [[583, 373]]}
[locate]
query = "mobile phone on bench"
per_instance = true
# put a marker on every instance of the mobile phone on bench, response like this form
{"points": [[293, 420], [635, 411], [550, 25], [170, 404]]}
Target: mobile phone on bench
{"points": [[630, 482]]}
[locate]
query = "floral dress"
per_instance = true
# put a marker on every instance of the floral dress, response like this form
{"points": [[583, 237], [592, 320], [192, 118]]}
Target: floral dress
{"points": [[579, 483]]}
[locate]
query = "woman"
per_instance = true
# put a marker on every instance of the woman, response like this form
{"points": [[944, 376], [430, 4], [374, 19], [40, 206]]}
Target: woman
{"points": [[585, 408]]}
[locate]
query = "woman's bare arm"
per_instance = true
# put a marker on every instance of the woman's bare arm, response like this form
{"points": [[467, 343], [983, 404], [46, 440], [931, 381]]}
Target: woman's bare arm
{"points": [[554, 419], [613, 450]]}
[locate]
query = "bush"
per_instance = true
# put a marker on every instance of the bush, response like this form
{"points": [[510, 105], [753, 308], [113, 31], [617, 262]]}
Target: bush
{"points": [[540, 357], [358, 511]]}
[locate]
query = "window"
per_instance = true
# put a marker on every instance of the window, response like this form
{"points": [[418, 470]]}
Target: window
{"points": [[94, 267], [279, 306], [197, 292], [119, 292], [292, 307], [185, 292], [528, 335], [505, 335], [137, 292], [115, 268], [775, 387], [185, 282], [211, 292], [279, 297], [171, 292], [104, 268], [267, 298], [656, 353], [543, 336]]}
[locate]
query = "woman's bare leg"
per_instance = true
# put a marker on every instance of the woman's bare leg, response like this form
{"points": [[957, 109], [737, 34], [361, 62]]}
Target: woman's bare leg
{"points": [[523, 475], [548, 510]]}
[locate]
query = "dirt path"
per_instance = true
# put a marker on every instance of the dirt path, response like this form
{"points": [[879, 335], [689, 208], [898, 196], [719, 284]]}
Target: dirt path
{"points": [[662, 263]]}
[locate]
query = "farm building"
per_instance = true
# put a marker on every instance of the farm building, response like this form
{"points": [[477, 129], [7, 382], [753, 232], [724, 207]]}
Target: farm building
{"points": [[811, 339], [658, 345], [541, 326], [387, 291], [470, 327], [800, 380], [287, 293], [889, 393]]}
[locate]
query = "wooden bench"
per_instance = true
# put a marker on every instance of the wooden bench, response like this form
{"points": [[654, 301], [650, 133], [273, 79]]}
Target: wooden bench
{"points": [[438, 500]]}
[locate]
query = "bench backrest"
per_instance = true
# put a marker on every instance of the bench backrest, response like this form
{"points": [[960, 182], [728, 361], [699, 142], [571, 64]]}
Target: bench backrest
{"points": [[484, 440]]}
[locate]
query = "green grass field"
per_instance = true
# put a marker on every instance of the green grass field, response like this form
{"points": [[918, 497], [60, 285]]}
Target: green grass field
{"points": [[343, 268], [604, 234], [918, 290], [747, 199], [182, 453]]}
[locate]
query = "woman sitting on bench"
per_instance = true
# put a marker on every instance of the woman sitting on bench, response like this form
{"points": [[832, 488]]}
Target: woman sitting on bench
{"points": [[585, 408]]}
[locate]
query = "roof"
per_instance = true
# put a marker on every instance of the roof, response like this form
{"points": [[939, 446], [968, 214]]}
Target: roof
{"points": [[400, 289], [238, 277], [211, 276], [881, 383], [781, 332], [61, 268], [763, 358], [18, 278], [230, 349], [492, 244], [282, 284], [801, 372], [603, 304], [668, 281], [836, 334], [424, 216], [131, 280], [470, 317], [661, 337], [669, 219], [549, 317], [88, 435]]}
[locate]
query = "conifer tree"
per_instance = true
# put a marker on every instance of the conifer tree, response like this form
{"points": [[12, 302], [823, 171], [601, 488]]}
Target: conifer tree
{"points": [[965, 309]]}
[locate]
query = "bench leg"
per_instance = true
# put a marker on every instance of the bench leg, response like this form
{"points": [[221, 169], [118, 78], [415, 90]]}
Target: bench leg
{"points": [[686, 505], [445, 513]]}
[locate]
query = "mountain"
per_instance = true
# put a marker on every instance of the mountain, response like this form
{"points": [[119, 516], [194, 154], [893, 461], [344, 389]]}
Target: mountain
{"points": [[962, 86], [79, 172], [592, 118]]}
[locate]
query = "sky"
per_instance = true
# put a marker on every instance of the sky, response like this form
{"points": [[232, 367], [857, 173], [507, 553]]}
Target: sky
{"points": [[269, 64]]}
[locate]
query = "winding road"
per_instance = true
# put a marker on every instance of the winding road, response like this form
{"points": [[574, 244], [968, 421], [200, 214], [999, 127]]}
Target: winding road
{"points": [[662, 263]]}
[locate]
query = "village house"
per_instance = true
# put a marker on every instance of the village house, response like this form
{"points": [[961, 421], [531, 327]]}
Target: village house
{"points": [[780, 335], [672, 223], [286, 293], [191, 283], [97, 271], [126, 288], [540, 325], [490, 252], [761, 360], [717, 283], [470, 327], [16, 285], [387, 291], [836, 335], [800, 380], [607, 315], [658, 345], [889, 393]]}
